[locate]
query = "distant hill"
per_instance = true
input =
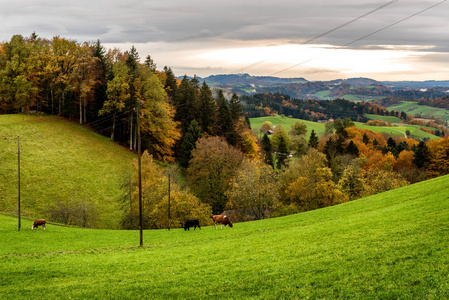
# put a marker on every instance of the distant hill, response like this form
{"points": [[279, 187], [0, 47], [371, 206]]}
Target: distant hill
{"points": [[417, 84], [355, 89]]}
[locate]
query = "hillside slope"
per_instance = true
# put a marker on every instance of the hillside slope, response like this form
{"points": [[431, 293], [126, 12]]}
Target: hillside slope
{"points": [[387, 246], [63, 166]]}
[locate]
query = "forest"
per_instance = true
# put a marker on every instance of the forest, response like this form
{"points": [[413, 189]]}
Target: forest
{"points": [[203, 136]]}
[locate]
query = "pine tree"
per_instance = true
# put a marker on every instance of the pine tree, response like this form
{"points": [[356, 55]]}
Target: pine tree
{"points": [[185, 103], [267, 150], [207, 109], [422, 155], [188, 144], [352, 149], [365, 139], [225, 126], [247, 122], [313, 140], [170, 83], [235, 108], [149, 62], [283, 152]]}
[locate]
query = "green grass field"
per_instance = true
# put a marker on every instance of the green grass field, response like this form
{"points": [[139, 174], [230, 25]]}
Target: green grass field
{"points": [[425, 111], [287, 123], [61, 162], [388, 246], [319, 127], [389, 119]]}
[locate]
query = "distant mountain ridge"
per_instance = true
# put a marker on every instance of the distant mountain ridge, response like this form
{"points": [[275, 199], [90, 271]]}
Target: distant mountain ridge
{"points": [[357, 89]]}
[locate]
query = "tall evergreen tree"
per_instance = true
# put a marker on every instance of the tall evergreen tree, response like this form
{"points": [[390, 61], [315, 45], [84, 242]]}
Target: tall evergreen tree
{"points": [[313, 140], [283, 152], [184, 100], [225, 126], [149, 62], [422, 155], [188, 144], [247, 122], [235, 108], [352, 149], [365, 139], [267, 150], [207, 109], [105, 74], [170, 83]]}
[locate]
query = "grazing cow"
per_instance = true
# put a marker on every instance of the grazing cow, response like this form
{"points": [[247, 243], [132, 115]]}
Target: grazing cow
{"points": [[192, 223], [221, 219], [37, 223]]}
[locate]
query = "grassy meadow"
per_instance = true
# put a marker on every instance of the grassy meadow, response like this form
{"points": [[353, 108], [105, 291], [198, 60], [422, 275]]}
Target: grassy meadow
{"points": [[387, 246], [287, 123], [256, 123], [61, 162], [425, 111]]}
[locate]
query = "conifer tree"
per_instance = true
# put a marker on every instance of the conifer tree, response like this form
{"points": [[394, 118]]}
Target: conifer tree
{"points": [[313, 140], [184, 100], [170, 83], [422, 155], [352, 149], [188, 144], [225, 126], [365, 139], [149, 62], [247, 122], [235, 108], [207, 109], [267, 150], [283, 152]]}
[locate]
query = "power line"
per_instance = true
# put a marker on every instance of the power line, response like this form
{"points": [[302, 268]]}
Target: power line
{"points": [[395, 23], [365, 36], [321, 35]]}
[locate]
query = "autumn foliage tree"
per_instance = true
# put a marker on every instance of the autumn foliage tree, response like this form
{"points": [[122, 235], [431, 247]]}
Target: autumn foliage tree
{"points": [[307, 183], [253, 190], [212, 166]]}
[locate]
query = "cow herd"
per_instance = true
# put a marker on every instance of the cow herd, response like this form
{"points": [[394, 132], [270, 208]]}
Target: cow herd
{"points": [[218, 219]]}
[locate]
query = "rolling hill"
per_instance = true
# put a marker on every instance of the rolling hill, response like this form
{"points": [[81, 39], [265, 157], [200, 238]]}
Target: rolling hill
{"points": [[354, 89], [399, 130], [391, 245], [64, 166]]}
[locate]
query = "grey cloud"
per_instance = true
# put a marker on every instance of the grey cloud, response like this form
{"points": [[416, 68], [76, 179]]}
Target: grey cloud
{"points": [[176, 20]]}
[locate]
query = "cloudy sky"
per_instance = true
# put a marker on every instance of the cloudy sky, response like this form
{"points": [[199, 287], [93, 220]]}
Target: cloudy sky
{"points": [[317, 40]]}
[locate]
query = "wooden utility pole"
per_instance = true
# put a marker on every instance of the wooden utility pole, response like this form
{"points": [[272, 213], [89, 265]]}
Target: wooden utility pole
{"points": [[18, 167], [140, 172], [169, 219]]}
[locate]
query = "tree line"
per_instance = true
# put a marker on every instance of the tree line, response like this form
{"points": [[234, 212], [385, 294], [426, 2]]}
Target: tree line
{"points": [[266, 104], [102, 88]]}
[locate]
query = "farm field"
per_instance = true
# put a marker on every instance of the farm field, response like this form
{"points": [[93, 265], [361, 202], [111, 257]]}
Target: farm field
{"points": [[358, 98], [425, 111], [399, 130], [319, 127], [287, 123], [61, 162], [391, 245], [389, 119]]}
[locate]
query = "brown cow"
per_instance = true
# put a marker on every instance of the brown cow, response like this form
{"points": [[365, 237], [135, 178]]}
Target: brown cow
{"points": [[37, 223], [221, 219]]}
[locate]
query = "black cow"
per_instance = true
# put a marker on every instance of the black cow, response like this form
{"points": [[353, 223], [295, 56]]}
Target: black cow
{"points": [[192, 223]]}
